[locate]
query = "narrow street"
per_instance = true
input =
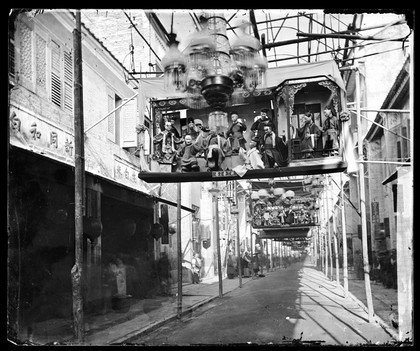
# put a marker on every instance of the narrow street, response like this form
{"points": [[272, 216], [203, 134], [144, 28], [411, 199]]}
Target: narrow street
{"points": [[288, 306]]}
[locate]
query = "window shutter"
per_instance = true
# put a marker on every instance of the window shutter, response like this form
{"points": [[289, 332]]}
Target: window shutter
{"points": [[12, 54], [41, 64], [111, 118], [128, 124], [68, 81], [55, 74]]}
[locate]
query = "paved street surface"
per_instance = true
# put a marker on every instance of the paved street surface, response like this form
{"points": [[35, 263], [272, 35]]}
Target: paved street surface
{"points": [[287, 306]]}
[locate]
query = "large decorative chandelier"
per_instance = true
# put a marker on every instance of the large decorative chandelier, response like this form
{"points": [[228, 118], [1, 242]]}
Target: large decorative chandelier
{"points": [[210, 71]]}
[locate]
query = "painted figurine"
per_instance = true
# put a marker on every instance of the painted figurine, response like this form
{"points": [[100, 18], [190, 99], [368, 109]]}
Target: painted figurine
{"points": [[188, 152], [274, 149], [261, 121], [252, 157], [310, 136], [330, 128], [216, 147], [166, 144], [235, 133]]}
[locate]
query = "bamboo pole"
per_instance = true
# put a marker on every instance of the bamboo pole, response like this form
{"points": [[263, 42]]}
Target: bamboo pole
{"points": [[110, 113], [325, 219], [79, 168], [329, 232], [235, 211], [215, 191], [271, 257], [343, 36], [179, 249], [363, 202], [344, 234]]}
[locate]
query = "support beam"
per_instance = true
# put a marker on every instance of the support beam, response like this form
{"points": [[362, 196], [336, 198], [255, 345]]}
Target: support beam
{"points": [[363, 204], [343, 36], [79, 188], [141, 35], [254, 24], [179, 250], [175, 177], [344, 236]]}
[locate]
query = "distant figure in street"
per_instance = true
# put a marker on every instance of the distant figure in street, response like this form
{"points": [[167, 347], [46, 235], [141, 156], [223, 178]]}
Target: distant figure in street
{"points": [[231, 265], [255, 265], [164, 267], [195, 267], [246, 263], [358, 265]]}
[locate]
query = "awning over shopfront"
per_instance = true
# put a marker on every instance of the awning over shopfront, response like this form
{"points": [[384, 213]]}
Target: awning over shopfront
{"points": [[154, 88], [397, 173]]}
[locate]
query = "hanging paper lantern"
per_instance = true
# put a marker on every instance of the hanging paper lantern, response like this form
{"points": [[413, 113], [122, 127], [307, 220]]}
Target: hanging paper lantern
{"points": [[157, 231], [307, 181], [92, 227], [144, 227], [172, 229], [278, 191], [263, 194], [254, 195], [128, 226], [289, 194]]}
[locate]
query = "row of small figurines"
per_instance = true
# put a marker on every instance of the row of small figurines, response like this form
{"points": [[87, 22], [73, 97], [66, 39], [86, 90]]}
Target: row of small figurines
{"points": [[294, 207]]}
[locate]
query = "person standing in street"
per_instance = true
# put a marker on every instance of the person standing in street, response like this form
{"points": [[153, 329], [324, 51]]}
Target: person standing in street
{"points": [[195, 267], [255, 265]]}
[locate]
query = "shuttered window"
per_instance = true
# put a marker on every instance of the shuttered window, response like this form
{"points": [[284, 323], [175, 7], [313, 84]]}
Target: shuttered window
{"points": [[56, 90], [12, 54], [68, 81], [111, 118], [128, 124]]}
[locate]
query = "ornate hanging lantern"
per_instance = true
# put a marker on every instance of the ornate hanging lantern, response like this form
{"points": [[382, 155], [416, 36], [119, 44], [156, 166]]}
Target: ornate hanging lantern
{"points": [[250, 67], [174, 65], [211, 74]]}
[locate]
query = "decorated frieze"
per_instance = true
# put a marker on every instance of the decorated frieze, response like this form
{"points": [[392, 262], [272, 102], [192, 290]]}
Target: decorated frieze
{"points": [[282, 209]]}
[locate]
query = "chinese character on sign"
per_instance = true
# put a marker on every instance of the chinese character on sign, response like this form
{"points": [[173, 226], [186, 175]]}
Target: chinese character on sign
{"points": [[35, 133], [54, 139], [220, 174], [68, 147]]}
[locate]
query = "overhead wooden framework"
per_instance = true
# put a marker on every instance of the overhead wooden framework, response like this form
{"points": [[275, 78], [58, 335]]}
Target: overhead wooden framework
{"points": [[178, 177]]}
